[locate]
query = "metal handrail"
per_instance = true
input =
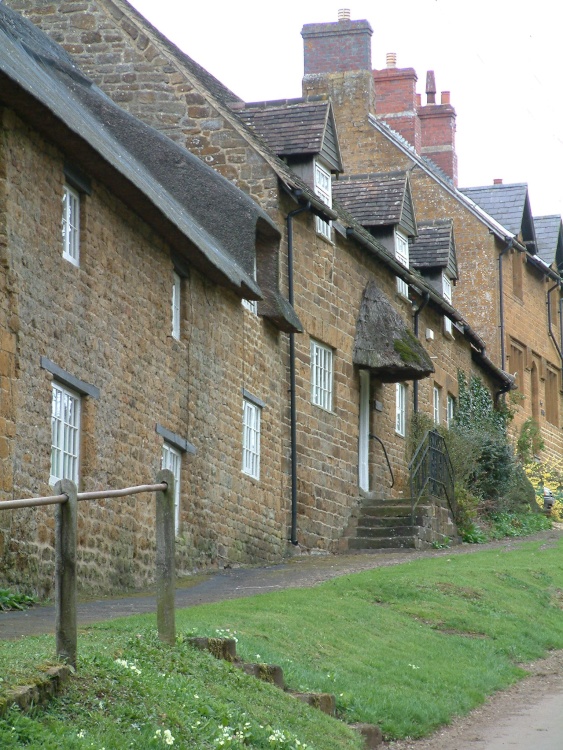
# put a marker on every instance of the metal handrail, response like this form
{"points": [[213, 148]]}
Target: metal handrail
{"points": [[380, 441], [431, 460]]}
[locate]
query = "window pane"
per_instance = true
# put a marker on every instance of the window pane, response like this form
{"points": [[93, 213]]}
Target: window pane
{"points": [[321, 375], [71, 224], [172, 460], [251, 439], [65, 434]]}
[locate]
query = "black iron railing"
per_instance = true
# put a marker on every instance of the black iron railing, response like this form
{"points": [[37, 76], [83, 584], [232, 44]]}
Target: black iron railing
{"points": [[431, 472]]}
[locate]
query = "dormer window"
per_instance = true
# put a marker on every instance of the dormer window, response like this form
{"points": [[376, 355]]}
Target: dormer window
{"points": [[323, 188], [447, 295], [402, 255], [251, 304]]}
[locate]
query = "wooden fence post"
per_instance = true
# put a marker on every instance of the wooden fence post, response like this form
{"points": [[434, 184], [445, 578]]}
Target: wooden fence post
{"points": [[165, 559], [65, 573]]}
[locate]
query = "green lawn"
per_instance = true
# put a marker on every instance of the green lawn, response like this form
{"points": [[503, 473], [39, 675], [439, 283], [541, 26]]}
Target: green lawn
{"points": [[406, 647]]}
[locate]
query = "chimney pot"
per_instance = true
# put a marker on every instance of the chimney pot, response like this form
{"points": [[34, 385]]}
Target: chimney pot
{"points": [[391, 58], [430, 88], [445, 96], [344, 14], [497, 181]]}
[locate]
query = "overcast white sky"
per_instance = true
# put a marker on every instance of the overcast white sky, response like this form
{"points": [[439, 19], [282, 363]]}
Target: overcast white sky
{"points": [[500, 59]]}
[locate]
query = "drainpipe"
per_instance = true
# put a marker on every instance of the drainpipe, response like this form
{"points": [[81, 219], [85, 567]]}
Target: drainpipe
{"points": [[509, 244], [549, 321], [292, 396], [417, 312], [561, 320]]}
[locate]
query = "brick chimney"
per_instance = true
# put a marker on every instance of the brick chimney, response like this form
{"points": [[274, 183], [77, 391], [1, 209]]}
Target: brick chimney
{"points": [[396, 100], [338, 64], [437, 124], [337, 47]]}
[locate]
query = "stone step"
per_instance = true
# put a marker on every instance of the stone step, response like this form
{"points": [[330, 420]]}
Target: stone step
{"points": [[271, 673], [325, 702], [372, 734], [367, 543], [367, 522], [382, 511], [375, 532], [220, 648]]}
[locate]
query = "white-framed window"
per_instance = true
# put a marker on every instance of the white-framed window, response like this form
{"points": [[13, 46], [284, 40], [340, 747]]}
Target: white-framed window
{"points": [[251, 304], [321, 375], [65, 434], [363, 440], [447, 294], [251, 415], [71, 225], [176, 304], [450, 410], [402, 255], [401, 409], [323, 188], [436, 404], [172, 459]]}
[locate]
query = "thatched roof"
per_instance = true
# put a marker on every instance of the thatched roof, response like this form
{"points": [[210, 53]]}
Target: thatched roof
{"points": [[383, 342]]}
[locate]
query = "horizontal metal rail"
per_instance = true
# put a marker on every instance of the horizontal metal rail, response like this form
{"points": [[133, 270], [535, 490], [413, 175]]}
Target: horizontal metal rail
{"points": [[97, 495]]}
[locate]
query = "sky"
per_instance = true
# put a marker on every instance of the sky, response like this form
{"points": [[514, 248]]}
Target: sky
{"points": [[498, 59]]}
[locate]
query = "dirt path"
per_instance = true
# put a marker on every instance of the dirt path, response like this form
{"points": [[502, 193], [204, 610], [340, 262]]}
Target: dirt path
{"points": [[527, 716]]}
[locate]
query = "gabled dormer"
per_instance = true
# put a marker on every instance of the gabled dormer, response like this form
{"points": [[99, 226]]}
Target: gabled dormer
{"points": [[297, 130], [383, 205], [302, 132], [549, 236], [510, 206], [433, 256]]}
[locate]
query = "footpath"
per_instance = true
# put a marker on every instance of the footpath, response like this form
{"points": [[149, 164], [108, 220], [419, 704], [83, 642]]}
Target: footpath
{"points": [[301, 571]]}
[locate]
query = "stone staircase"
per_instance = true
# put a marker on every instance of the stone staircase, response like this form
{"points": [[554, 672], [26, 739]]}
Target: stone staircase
{"points": [[226, 649], [387, 524]]}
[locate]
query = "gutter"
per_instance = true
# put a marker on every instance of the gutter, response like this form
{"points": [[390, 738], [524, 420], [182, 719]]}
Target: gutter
{"points": [[509, 244], [549, 321], [417, 311]]}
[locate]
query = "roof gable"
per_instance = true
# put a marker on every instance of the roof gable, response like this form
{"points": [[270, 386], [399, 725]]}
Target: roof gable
{"points": [[510, 206], [378, 200], [434, 247], [549, 236], [295, 127]]}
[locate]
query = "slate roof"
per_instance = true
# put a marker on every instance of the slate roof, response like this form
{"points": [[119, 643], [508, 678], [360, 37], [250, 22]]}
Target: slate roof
{"points": [[434, 247], [377, 200], [508, 204], [203, 216], [294, 127], [549, 236]]}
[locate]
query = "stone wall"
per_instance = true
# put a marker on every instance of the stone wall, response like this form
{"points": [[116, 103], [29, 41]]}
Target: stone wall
{"points": [[108, 323]]}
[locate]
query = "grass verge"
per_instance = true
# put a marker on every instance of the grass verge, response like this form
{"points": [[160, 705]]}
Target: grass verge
{"points": [[406, 647]]}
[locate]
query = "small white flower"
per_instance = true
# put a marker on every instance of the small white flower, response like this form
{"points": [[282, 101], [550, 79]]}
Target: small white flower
{"points": [[81, 734], [168, 738]]}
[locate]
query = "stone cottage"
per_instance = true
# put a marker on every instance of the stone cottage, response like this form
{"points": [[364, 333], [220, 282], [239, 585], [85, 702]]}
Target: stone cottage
{"points": [[508, 291], [261, 359]]}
